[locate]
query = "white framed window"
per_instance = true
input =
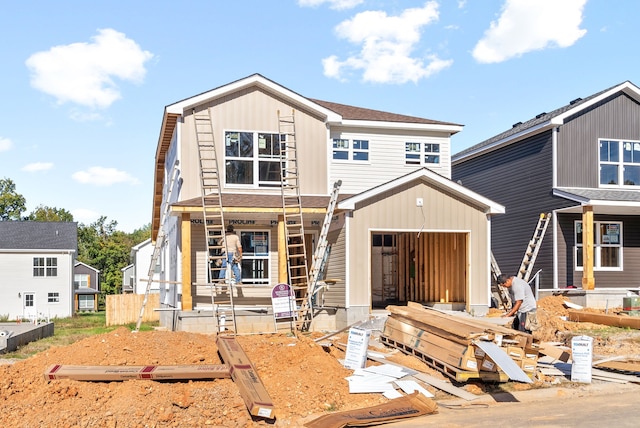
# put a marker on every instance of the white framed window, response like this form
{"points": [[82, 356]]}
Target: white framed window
{"points": [[53, 297], [252, 158], [255, 256], [421, 153], [45, 266], [356, 150], [86, 302], [607, 245], [80, 280], [619, 163]]}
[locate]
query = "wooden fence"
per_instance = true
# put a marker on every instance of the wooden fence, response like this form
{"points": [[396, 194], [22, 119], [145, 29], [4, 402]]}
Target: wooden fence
{"points": [[125, 308]]}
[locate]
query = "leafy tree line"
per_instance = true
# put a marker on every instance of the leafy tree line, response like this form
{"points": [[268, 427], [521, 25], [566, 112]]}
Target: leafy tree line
{"points": [[100, 244]]}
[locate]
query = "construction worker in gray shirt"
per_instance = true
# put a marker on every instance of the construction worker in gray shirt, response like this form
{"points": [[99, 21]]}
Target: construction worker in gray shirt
{"points": [[523, 303]]}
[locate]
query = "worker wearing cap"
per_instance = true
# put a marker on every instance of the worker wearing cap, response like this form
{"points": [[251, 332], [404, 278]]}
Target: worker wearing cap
{"points": [[522, 299], [233, 252]]}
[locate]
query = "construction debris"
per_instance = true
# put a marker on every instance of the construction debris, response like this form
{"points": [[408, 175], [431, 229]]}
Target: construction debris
{"points": [[458, 346], [116, 373], [405, 407], [610, 320], [245, 375]]}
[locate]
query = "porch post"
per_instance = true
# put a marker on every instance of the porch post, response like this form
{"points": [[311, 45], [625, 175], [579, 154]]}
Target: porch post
{"points": [[283, 272], [588, 281], [185, 229]]}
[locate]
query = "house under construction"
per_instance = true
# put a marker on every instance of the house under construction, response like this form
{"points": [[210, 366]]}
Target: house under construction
{"points": [[352, 208]]}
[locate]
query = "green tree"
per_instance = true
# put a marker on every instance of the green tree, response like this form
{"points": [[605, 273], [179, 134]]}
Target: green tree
{"points": [[44, 213], [12, 204]]}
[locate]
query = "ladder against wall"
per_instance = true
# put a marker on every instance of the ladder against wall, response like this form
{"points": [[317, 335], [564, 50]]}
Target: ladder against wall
{"points": [[498, 291], [160, 238], [222, 289], [292, 211], [531, 253]]}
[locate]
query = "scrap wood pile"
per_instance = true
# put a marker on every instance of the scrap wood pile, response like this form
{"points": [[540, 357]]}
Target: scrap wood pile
{"points": [[461, 348]]}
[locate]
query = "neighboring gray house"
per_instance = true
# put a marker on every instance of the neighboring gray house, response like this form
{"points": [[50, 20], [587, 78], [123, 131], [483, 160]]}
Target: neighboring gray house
{"points": [[36, 268], [86, 286], [581, 163]]}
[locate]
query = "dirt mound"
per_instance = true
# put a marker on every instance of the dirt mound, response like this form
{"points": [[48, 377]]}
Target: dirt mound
{"points": [[302, 379]]}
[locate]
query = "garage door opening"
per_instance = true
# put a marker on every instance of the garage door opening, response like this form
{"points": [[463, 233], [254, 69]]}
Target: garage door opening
{"points": [[429, 267]]}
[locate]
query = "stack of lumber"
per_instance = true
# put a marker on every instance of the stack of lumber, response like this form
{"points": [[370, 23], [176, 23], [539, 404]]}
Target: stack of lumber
{"points": [[458, 346]]}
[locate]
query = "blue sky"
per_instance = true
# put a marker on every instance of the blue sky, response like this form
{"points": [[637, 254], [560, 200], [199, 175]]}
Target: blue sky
{"points": [[84, 83]]}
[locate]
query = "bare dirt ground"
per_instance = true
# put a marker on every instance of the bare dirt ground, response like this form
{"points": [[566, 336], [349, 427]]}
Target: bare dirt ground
{"points": [[304, 379]]}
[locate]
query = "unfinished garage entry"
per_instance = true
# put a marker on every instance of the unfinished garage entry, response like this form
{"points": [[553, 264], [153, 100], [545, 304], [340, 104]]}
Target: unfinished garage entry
{"points": [[426, 267]]}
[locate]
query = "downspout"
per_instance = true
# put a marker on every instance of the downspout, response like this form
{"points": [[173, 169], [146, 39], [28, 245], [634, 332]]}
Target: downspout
{"points": [[554, 218]]}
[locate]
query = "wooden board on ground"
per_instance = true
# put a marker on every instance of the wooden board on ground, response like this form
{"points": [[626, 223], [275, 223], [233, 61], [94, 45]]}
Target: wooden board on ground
{"points": [[245, 375], [610, 320], [631, 366], [117, 373]]}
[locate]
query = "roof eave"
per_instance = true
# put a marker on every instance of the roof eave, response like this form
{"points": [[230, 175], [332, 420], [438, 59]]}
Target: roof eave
{"points": [[450, 129]]}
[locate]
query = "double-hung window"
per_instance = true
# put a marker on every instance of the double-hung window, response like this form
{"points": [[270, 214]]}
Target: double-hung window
{"points": [[255, 257], [607, 245], [355, 150], [421, 153], [45, 266], [619, 163], [252, 158]]}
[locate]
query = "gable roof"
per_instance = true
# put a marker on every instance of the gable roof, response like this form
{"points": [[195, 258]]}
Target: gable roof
{"points": [[77, 263], [38, 235], [544, 121], [333, 113], [434, 180]]}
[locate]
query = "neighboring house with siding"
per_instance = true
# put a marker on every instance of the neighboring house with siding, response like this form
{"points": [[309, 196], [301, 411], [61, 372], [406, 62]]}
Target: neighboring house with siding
{"points": [[86, 286], [402, 229], [136, 275], [580, 162], [36, 268]]}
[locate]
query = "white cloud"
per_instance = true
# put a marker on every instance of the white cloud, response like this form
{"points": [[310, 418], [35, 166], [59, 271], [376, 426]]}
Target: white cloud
{"points": [[37, 166], [101, 176], [5, 144], [83, 73], [386, 43], [529, 25], [333, 4], [85, 216]]}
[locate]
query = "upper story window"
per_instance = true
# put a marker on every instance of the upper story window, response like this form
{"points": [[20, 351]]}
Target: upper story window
{"points": [[421, 153], [45, 266], [356, 150], [81, 280], [619, 163], [252, 158], [607, 245]]}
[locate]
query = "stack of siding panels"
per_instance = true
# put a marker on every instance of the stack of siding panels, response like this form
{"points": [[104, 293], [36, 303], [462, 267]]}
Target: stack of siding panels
{"points": [[446, 342]]}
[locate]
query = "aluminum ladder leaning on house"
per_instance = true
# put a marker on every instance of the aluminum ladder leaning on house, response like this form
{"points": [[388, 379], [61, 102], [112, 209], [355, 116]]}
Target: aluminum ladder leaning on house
{"points": [[158, 245], [322, 250], [222, 289], [531, 253], [498, 291], [292, 212]]}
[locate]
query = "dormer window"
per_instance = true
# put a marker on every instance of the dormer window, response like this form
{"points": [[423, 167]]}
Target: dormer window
{"points": [[619, 163]]}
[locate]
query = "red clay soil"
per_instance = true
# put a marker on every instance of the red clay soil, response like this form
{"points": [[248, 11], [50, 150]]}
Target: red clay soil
{"points": [[303, 379]]}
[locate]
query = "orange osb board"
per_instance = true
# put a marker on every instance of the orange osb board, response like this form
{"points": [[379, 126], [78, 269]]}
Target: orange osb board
{"points": [[116, 373], [244, 374]]}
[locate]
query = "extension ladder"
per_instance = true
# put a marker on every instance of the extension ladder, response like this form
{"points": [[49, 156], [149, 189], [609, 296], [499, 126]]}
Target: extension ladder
{"points": [[222, 290], [531, 253], [158, 245], [292, 212]]}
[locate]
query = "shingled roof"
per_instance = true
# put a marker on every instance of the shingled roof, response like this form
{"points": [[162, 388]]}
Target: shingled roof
{"points": [[539, 120], [358, 113], [38, 235]]}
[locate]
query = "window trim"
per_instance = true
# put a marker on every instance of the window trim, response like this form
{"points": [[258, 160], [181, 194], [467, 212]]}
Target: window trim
{"points": [[597, 246], [350, 150], [620, 164], [256, 159], [247, 256], [422, 154], [48, 268], [53, 297]]}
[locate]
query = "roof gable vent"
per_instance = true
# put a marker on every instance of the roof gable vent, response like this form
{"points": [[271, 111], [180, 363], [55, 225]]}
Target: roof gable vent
{"points": [[541, 114], [575, 101]]}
